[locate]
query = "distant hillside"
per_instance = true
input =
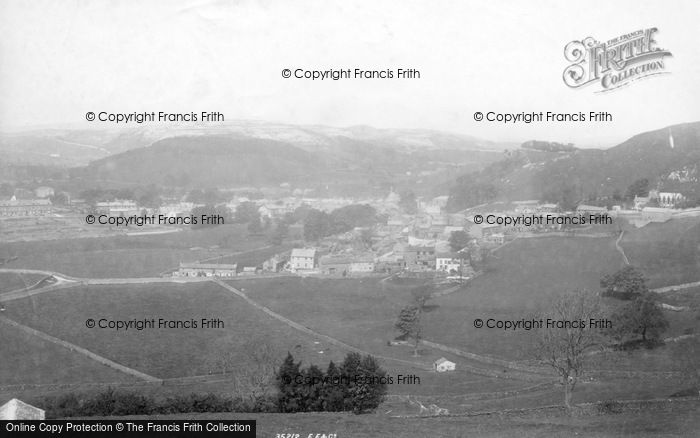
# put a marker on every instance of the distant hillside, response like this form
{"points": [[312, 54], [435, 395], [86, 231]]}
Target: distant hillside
{"points": [[65, 148], [548, 146], [78, 147], [587, 174], [206, 161], [235, 160]]}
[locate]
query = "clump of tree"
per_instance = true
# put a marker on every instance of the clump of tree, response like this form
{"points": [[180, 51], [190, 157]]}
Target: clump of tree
{"points": [[319, 224], [566, 349], [626, 284], [220, 210], [358, 385], [641, 317], [459, 240], [246, 212], [409, 322], [638, 188]]}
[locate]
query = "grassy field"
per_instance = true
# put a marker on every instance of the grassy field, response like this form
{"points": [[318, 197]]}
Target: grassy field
{"points": [[131, 256], [668, 253], [166, 352], [678, 420], [28, 359], [525, 277]]}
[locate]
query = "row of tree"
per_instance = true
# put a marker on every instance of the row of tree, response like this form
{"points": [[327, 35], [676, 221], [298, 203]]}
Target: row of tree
{"points": [[358, 385]]}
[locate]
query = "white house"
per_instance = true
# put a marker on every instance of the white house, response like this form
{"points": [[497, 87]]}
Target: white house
{"points": [[19, 410], [447, 262], [302, 259], [441, 365]]}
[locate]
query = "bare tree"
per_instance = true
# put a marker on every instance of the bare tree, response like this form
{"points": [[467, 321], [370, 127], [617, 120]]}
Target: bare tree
{"points": [[258, 376], [567, 336], [252, 366]]}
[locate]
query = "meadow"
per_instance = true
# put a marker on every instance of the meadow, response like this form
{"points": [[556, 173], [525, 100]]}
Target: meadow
{"points": [[523, 277], [27, 359], [668, 253], [167, 352]]}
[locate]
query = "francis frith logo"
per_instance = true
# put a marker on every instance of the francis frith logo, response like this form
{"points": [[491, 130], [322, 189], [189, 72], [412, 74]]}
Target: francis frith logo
{"points": [[614, 63]]}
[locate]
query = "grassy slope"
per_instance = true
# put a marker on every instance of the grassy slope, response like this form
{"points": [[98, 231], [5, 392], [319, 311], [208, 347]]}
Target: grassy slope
{"points": [[524, 278], [668, 253], [166, 352], [28, 359]]}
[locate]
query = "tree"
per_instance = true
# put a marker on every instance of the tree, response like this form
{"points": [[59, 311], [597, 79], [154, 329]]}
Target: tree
{"points": [[370, 386], [355, 215], [290, 391], [638, 188], [565, 349], [627, 283], [318, 224], [459, 240], [333, 393], [313, 390], [246, 212], [409, 324], [640, 317], [364, 381]]}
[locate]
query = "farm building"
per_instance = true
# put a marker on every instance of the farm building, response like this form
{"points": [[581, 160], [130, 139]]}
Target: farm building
{"points": [[442, 365], [302, 259], [207, 270], [19, 410]]}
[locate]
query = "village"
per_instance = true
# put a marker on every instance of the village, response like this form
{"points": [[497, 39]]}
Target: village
{"points": [[421, 239]]}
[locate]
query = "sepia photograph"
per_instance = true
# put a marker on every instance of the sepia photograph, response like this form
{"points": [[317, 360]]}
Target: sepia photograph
{"points": [[349, 218]]}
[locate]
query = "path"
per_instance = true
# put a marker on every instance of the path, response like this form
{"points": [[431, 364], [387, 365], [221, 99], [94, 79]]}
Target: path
{"points": [[619, 248]]}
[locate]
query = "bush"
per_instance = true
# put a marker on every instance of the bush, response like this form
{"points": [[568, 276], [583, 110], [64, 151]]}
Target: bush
{"points": [[110, 402]]}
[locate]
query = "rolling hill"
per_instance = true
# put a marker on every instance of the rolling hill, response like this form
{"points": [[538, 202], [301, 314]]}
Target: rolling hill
{"points": [[669, 158], [233, 160]]}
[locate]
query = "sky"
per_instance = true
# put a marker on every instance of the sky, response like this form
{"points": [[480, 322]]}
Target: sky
{"points": [[61, 59]]}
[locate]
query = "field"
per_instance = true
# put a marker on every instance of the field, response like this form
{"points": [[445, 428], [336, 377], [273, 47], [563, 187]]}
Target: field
{"points": [[131, 256], [164, 353], [523, 278], [668, 253], [28, 359]]}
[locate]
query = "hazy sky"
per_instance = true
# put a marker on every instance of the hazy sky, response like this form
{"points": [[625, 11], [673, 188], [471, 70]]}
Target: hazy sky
{"points": [[60, 59]]}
